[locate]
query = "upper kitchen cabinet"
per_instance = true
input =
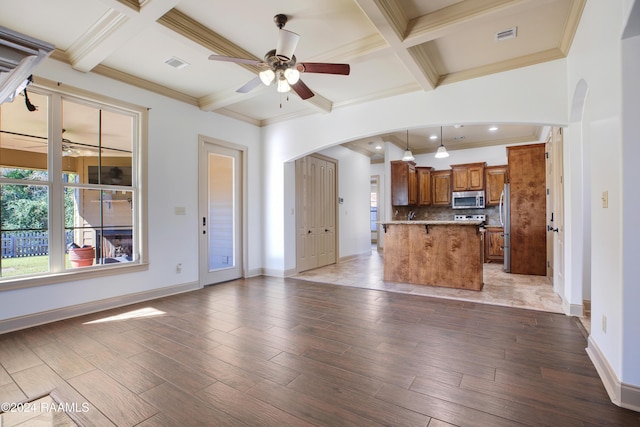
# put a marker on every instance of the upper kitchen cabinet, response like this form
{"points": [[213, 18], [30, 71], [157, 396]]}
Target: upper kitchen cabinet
{"points": [[494, 180], [441, 188], [469, 176], [424, 185], [404, 183]]}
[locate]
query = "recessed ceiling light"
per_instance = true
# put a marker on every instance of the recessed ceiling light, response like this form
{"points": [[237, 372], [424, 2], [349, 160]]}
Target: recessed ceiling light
{"points": [[493, 128], [433, 137], [176, 63], [458, 138], [458, 126], [378, 147]]}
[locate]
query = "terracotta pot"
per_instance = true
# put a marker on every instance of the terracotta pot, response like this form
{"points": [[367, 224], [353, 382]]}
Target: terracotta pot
{"points": [[82, 257]]}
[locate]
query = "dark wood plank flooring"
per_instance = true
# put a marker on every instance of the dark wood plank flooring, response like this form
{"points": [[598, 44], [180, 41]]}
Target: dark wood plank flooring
{"points": [[277, 352]]}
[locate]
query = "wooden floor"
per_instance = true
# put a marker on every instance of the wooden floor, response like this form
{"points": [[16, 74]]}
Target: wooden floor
{"points": [[270, 351]]}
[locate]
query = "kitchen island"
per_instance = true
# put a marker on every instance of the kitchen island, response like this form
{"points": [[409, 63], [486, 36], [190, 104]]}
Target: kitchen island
{"points": [[436, 253]]}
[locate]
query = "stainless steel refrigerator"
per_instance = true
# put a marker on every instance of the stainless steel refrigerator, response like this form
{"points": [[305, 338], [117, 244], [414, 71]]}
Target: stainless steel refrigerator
{"points": [[505, 222]]}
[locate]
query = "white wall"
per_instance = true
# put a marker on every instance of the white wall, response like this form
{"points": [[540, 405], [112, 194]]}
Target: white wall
{"points": [[590, 53], [354, 185], [172, 181], [596, 59], [631, 201]]}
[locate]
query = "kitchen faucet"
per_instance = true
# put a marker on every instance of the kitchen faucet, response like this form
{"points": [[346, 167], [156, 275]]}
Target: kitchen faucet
{"points": [[411, 215]]}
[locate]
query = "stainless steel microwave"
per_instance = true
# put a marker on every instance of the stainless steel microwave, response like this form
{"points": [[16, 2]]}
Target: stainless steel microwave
{"points": [[467, 199]]}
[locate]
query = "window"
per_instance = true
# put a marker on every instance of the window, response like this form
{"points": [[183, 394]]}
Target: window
{"points": [[373, 212], [70, 187]]}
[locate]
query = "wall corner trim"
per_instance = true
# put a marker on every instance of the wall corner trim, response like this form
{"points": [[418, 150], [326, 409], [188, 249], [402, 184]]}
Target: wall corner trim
{"points": [[621, 394]]}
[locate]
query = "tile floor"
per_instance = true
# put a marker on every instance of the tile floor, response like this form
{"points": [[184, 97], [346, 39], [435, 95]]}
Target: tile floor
{"points": [[500, 288]]}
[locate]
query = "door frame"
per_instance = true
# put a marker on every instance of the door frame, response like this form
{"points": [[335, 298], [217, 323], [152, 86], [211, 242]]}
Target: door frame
{"points": [[203, 142]]}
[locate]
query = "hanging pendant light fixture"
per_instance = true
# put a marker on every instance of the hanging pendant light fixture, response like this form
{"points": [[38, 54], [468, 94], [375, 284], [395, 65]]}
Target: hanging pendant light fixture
{"points": [[442, 152], [408, 155]]}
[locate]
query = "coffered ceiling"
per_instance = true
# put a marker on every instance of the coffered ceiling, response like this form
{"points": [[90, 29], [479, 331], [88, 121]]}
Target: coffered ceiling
{"points": [[392, 47]]}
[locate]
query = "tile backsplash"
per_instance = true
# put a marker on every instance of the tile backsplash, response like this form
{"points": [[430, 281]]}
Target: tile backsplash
{"points": [[444, 213]]}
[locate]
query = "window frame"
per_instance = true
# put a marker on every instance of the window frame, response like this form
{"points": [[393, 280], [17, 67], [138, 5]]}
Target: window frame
{"points": [[55, 93]]}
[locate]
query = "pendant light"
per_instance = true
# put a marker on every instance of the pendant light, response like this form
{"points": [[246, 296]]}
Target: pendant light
{"points": [[408, 155], [442, 152]]}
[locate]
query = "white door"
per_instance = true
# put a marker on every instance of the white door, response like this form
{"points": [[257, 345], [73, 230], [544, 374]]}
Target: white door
{"points": [[220, 176], [316, 202], [558, 204]]}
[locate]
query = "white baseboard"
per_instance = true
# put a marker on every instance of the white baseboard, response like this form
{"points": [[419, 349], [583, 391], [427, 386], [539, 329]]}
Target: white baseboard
{"points": [[572, 309], [35, 319], [254, 272], [621, 394]]}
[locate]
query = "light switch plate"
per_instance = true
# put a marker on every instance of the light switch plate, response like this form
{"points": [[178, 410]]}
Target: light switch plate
{"points": [[605, 199]]}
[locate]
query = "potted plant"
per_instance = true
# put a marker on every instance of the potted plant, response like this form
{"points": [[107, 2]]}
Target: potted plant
{"points": [[81, 256]]}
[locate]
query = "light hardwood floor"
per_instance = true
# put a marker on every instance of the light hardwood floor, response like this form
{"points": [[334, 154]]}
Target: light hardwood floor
{"points": [[271, 351]]}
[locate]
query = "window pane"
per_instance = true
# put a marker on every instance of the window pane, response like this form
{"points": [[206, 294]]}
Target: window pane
{"points": [[24, 138], [25, 234], [102, 220], [97, 144]]}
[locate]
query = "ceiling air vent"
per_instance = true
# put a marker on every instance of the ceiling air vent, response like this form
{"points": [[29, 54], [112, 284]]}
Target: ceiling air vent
{"points": [[509, 33], [176, 63]]}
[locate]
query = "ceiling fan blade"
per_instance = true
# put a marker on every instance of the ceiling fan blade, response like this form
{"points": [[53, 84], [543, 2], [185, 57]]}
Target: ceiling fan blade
{"points": [[237, 60], [287, 42], [250, 85], [302, 90], [324, 68]]}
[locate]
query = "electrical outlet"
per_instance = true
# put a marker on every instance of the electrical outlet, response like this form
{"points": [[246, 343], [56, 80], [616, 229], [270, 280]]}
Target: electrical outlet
{"points": [[605, 199], [179, 267], [604, 323]]}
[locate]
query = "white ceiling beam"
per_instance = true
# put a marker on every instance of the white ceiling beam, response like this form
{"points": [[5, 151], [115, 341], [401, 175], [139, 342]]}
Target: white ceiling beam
{"points": [[116, 27], [388, 18]]}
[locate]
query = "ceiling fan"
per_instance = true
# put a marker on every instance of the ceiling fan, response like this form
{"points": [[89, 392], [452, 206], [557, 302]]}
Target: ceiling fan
{"points": [[280, 66]]}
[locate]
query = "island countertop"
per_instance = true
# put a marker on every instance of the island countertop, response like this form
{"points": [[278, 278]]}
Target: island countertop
{"points": [[430, 222], [437, 253]]}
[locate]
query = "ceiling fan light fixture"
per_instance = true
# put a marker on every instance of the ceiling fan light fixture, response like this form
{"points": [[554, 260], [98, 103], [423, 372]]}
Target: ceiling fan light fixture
{"points": [[267, 76], [283, 85], [292, 75], [287, 42]]}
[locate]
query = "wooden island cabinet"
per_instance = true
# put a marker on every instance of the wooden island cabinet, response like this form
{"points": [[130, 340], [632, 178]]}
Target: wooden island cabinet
{"points": [[436, 253]]}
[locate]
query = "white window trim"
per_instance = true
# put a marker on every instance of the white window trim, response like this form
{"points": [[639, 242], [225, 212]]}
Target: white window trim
{"points": [[56, 187]]}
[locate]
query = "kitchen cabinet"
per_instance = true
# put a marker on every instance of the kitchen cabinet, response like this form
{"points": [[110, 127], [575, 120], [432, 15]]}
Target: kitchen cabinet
{"points": [[468, 177], [493, 244], [441, 188], [494, 180], [423, 174], [528, 226], [435, 253], [404, 183]]}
